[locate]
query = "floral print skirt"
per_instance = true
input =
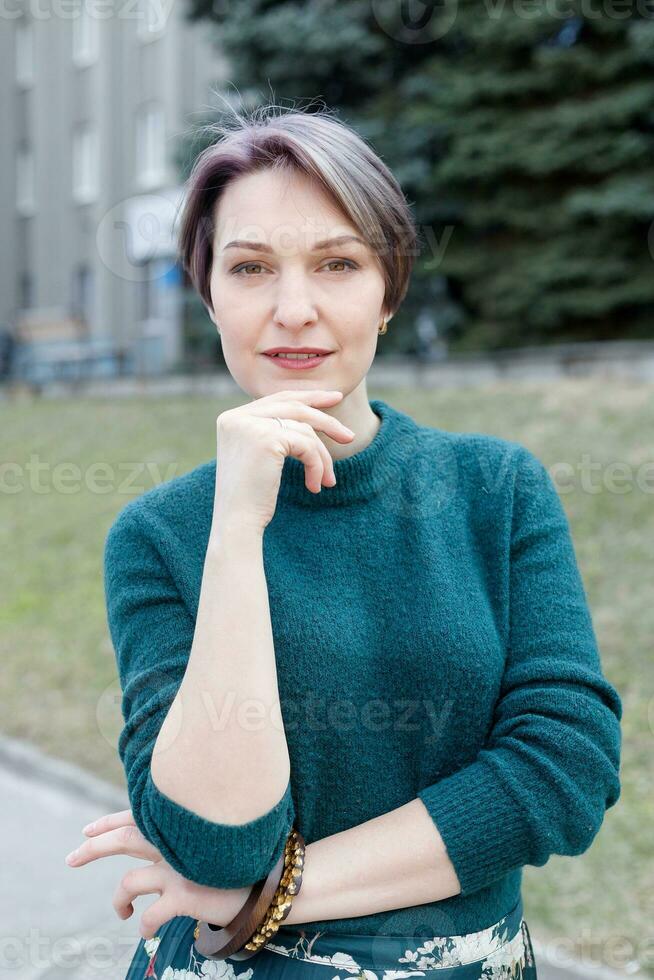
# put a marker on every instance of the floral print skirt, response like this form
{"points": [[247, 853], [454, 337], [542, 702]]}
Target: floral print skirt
{"points": [[501, 952]]}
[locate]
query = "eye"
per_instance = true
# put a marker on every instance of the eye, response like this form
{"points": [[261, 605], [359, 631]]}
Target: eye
{"points": [[245, 265], [347, 262]]}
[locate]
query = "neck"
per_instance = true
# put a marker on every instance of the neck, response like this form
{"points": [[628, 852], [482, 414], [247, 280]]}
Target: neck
{"points": [[354, 412]]}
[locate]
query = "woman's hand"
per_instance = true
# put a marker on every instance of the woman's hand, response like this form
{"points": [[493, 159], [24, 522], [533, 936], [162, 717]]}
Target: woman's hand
{"points": [[117, 833], [251, 447]]}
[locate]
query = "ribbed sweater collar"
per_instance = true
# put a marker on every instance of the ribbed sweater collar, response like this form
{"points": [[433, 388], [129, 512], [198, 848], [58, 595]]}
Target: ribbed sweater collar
{"points": [[362, 475]]}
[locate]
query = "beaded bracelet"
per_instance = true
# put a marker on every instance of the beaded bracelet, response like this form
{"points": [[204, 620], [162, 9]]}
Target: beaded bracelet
{"points": [[267, 905]]}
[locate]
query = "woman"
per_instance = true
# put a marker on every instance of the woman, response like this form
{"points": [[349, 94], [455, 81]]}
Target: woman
{"points": [[403, 666]]}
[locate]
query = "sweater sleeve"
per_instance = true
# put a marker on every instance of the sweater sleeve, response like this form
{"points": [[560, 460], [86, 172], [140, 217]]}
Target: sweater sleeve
{"points": [[152, 633], [549, 768]]}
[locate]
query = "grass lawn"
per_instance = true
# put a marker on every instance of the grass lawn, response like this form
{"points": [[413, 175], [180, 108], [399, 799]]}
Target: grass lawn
{"points": [[58, 662]]}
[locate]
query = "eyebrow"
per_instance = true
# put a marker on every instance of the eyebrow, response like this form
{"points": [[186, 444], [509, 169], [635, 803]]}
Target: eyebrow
{"points": [[319, 247]]}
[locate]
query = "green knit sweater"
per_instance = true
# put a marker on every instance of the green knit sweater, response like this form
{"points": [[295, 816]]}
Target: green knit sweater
{"points": [[432, 639]]}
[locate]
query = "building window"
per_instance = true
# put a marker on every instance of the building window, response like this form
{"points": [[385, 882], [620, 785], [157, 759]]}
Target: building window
{"points": [[85, 163], [24, 52], [25, 291], [25, 196], [150, 146], [151, 20], [85, 36], [160, 277], [82, 293]]}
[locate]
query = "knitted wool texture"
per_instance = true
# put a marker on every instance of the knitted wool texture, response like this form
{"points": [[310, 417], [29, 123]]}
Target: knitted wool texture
{"points": [[432, 639]]}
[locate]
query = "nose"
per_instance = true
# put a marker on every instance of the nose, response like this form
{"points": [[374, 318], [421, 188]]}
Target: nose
{"points": [[294, 306]]}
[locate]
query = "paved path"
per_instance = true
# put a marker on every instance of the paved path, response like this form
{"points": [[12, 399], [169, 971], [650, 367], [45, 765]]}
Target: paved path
{"points": [[59, 923]]}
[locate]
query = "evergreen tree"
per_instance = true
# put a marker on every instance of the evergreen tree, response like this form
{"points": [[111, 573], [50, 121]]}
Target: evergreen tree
{"points": [[521, 133]]}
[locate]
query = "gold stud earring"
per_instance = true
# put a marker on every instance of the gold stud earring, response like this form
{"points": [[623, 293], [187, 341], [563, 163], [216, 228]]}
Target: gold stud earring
{"points": [[383, 327]]}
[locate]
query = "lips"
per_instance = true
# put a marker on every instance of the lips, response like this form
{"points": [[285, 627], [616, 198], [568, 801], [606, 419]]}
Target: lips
{"points": [[295, 357], [272, 351], [297, 363]]}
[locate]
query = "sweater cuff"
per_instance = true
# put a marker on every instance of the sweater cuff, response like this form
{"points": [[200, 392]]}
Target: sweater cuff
{"points": [[219, 855], [482, 827]]}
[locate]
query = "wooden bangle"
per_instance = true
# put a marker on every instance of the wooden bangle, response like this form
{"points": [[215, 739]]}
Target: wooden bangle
{"points": [[218, 943], [289, 886]]}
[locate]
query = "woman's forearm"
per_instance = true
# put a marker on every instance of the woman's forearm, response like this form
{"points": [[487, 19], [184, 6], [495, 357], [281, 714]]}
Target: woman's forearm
{"points": [[222, 749], [391, 862]]}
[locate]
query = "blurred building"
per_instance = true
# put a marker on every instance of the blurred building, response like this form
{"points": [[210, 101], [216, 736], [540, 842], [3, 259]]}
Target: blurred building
{"points": [[94, 100]]}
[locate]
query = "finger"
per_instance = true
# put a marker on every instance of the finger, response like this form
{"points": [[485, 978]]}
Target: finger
{"points": [[308, 448], [318, 420], [306, 429], [328, 476], [137, 881], [154, 917], [109, 822], [124, 840]]}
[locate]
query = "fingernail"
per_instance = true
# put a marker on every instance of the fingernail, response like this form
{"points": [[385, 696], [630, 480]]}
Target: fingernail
{"points": [[90, 827], [72, 857]]}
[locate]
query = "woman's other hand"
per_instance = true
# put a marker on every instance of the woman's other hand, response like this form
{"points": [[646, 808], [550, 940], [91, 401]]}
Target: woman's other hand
{"points": [[117, 833]]}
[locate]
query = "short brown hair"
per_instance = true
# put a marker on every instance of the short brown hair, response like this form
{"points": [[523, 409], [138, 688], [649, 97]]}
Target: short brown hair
{"points": [[324, 149]]}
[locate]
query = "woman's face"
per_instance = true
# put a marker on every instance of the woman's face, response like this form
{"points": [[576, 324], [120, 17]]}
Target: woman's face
{"points": [[292, 293]]}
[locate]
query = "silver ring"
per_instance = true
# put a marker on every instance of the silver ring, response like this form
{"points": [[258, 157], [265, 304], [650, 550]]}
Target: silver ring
{"points": [[281, 421]]}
